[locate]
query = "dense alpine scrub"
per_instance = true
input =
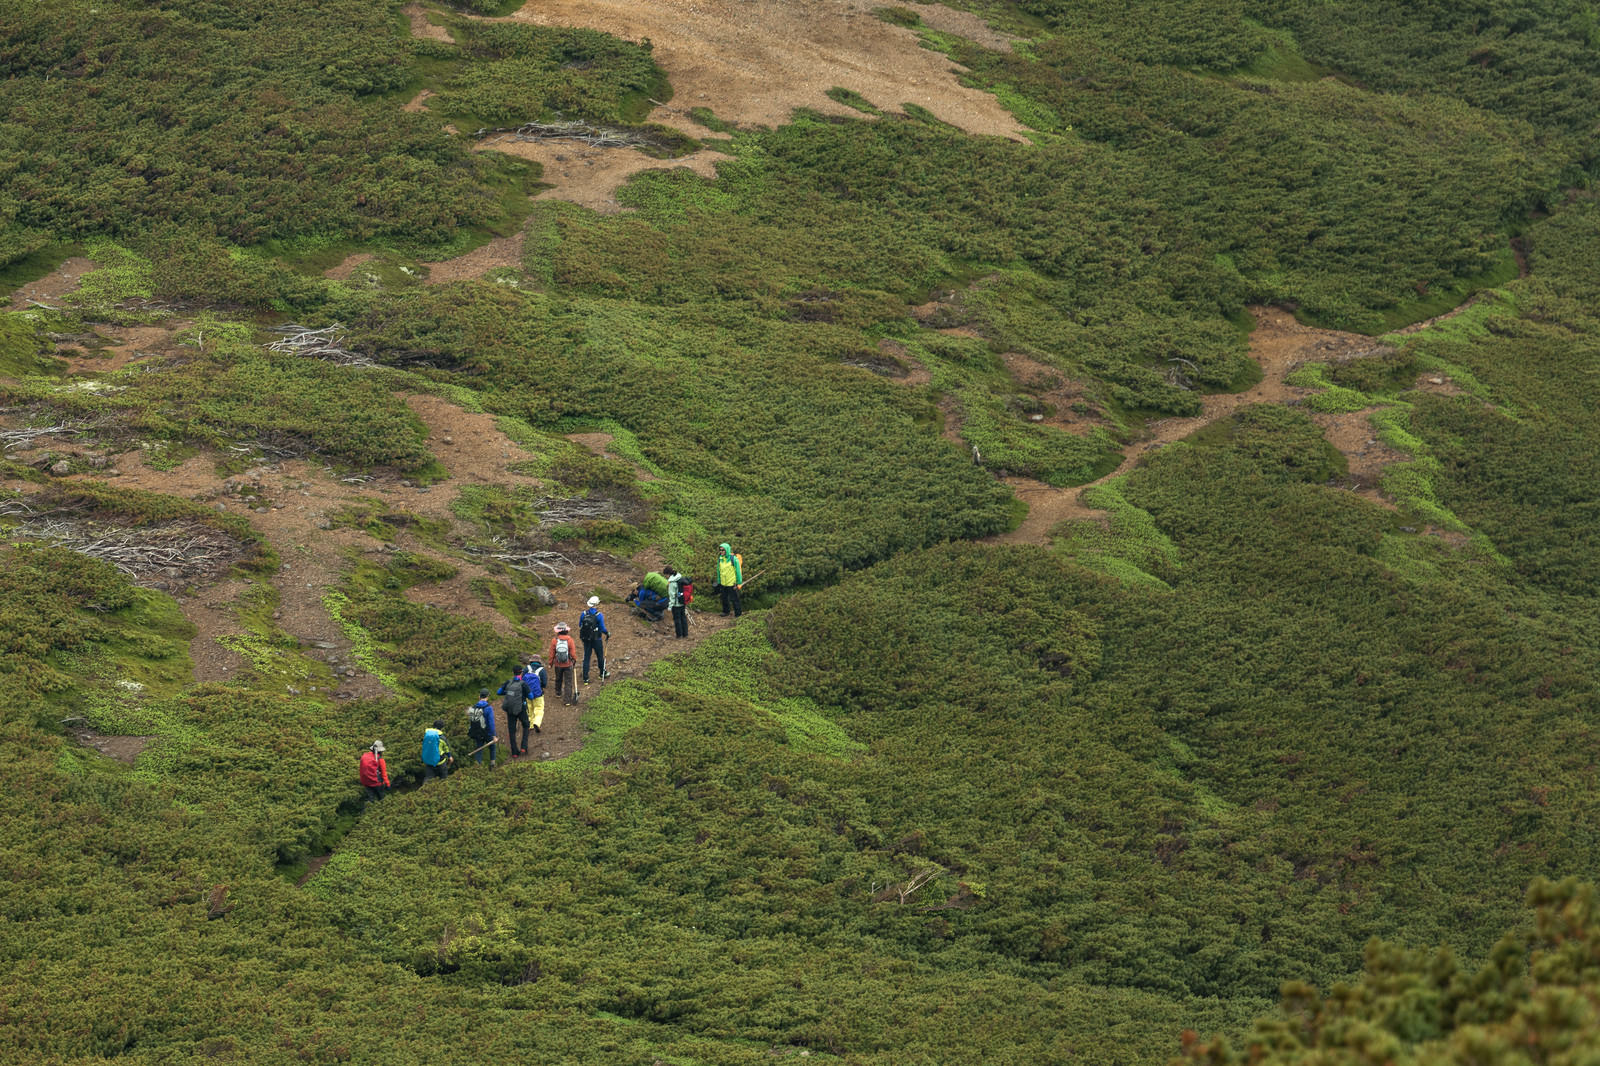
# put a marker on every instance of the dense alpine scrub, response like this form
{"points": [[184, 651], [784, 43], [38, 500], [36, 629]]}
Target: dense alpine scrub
{"points": [[954, 802]]}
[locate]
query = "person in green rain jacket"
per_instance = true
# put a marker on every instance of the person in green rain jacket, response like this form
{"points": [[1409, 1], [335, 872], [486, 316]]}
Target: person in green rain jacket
{"points": [[730, 579]]}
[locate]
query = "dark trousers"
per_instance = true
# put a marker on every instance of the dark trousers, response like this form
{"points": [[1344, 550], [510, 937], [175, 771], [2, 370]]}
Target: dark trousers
{"points": [[598, 648], [512, 718], [374, 792], [566, 687], [680, 621], [431, 772], [730, 594]]}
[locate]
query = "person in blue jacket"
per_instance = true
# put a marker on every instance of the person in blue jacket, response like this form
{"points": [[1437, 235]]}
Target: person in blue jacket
{"points": [[436, 755], [480, 728], [594, 634]]}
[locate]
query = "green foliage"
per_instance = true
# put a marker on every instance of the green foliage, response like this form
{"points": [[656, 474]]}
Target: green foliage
{"points": [[851, 98], [520, 73], [1530, 1000]]}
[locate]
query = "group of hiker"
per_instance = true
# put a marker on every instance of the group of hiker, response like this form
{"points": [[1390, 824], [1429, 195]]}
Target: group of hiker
{"points": [[524, 693]]}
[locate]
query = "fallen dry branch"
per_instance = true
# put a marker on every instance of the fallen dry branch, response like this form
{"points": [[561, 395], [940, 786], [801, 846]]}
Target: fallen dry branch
{"points": [[185, 547], [21, 438], [326, 344], [542, 563], [593, 136]]}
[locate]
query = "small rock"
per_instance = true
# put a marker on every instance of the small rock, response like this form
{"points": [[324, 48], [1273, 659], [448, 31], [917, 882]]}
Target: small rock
{"points": [[61, 468], [1036, 418], [324, 524], [292, 690], [1408, 529], [405, 484], [1436, 381], [325, 644], [276, 615], [262, 510], [449, 440], [98, 461], [221, 506], [544, 596]]}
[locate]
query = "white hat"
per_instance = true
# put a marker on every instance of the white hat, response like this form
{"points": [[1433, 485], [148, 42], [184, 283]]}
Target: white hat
{"points": [[377, 745], [594, 601]]}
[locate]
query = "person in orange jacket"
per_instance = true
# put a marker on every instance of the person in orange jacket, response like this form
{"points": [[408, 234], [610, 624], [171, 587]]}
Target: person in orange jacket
{"points": [[374, 771], [562, 661]]}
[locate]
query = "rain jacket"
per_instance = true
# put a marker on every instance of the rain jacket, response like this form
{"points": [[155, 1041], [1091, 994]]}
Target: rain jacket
{"points": [[435, 748], [730, 567], [374, 771]]}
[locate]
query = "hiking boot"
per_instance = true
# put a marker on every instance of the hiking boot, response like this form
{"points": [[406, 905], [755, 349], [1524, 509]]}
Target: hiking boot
{"points": [[605, 675], [524, 751], [536, 729], [586, 680]]}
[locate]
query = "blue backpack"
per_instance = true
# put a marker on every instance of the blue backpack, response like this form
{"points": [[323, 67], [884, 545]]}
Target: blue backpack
{"points": [[531, 681]]}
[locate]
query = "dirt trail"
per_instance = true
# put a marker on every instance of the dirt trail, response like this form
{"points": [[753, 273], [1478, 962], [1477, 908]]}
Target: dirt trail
{"points": [[1279, 344], [54, 285], [292, 503]]}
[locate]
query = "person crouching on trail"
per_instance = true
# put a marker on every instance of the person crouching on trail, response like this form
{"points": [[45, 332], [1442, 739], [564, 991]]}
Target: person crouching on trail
{"points": [[730, 579], [537, 678], [563, 657], [374, 771], [480, 728], [436, 755], [515, 705], [594, 634]]}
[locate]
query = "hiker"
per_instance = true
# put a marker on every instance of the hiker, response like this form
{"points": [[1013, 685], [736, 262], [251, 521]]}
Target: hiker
{"points": [[480, 728], [680, 593], [647, 603], [563, 657], [515, 706], [437, 759], [594, 634], [374, 771], [730, 579], [537, 678]]}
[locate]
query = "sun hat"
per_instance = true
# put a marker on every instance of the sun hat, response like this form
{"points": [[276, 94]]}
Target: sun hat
{"points": [[377, 746], [594, 601]]}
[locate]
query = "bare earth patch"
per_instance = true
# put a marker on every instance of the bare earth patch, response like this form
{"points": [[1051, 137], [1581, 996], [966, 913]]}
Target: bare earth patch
{"points": [[421, 28], [53, 286], [502, 252], [123, 749], [343, 270]]}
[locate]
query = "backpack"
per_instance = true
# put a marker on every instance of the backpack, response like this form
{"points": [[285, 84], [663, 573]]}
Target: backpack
{"points": [[475, 718], [589, 626], [563, 651], [531, 683], [516, 691], [686, 590]]}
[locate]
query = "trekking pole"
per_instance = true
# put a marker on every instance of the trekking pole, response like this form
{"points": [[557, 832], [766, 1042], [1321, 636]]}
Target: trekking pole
{"points": [[480, 747]]}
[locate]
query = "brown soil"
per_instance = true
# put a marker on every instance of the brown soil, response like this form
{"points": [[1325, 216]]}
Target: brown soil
{"points": [[499, 253], [422, 28], [346, 268], [291, 502], [755, 63], [127, 344], [589, 176], [751, 64], [1055, 392], [600, 444], [54, 285], [123, 749], [418, 102], [1279, 344], [916, 375]]}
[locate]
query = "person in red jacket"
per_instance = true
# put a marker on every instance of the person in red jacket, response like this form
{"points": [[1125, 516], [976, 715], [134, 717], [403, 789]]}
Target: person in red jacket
{"points": [[374, 771]]}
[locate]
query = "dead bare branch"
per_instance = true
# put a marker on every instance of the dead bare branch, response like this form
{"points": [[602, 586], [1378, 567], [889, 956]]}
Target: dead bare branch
{"points": [[326, 344], [593, 136]]}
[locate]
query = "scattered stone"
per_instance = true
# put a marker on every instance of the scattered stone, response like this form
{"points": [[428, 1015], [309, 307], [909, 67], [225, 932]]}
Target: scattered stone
{"points": [[325, 644], [545, 597], [292, 690], [324, 524], [1036, 418], [220, 506], [449, 440], [405, 484], [60, 468], [98, 462]]}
